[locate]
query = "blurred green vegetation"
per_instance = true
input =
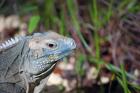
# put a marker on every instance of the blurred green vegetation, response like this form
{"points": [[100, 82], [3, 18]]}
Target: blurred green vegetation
{"points": [[78, 18]]}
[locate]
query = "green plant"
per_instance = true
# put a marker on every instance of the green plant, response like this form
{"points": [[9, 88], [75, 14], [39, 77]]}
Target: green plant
{"points": [[33, 23]]}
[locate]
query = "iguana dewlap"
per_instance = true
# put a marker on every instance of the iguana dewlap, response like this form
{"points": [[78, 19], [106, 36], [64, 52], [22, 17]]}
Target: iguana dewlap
{"points": [[25, 62]]}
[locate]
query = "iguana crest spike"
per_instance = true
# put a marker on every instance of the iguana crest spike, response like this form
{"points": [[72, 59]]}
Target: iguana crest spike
{"points": [[9, 43]]}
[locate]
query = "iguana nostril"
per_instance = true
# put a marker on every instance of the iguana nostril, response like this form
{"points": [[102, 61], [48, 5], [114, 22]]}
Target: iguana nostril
{"points": [[71, 43]]}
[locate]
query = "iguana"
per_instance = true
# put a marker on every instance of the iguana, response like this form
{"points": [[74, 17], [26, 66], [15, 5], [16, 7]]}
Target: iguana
{"points": [[26, 62]]}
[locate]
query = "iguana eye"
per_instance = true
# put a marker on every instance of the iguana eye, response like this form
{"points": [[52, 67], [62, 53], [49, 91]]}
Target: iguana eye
{"points": [[51, 45]]}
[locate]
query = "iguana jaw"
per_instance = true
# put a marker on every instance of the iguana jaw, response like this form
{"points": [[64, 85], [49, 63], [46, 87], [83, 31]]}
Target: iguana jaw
{"points": [[46, 72], [43, 64], [52, 64]]}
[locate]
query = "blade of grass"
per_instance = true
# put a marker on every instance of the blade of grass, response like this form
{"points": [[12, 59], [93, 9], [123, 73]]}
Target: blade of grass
{"points": [[136, 86], [124, 80], [123, 4], [62, 23], [33, 22], [28, 8], [79, 65], [49, 14], [110, 67], [73, 13], [94, 15], [109, 12], [120, 81], [97, 24]]}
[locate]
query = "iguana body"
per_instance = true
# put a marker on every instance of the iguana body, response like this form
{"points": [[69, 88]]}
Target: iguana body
{"points": [[25, 62]]}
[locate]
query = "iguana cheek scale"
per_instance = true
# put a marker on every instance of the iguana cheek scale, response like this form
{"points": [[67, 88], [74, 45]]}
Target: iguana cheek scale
{"points": [[26, 61]]}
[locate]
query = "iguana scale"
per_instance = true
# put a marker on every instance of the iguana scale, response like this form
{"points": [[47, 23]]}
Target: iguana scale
{"points": [[26, 62]]}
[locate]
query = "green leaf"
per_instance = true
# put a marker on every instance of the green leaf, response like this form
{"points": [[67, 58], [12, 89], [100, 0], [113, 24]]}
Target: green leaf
{"points": [[33, 22]]}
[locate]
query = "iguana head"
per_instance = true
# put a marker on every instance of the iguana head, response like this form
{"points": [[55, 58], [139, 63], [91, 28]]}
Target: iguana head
{"points": [[45, 49]]}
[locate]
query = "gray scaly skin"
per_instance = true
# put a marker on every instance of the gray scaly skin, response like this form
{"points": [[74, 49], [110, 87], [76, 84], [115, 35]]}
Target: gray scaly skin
{"points": [[26, 62]]}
